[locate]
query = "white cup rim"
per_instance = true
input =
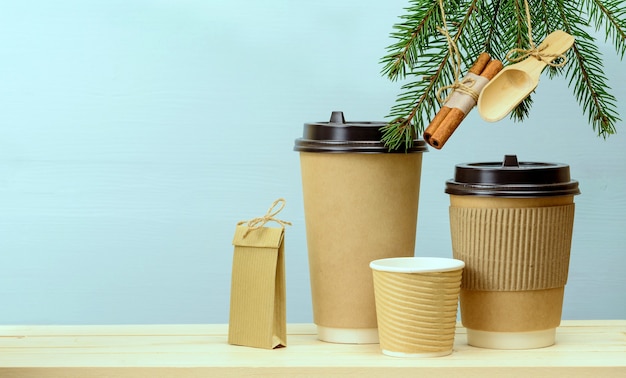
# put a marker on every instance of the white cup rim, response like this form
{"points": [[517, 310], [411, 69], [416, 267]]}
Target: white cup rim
{"points": [[416, 264]]}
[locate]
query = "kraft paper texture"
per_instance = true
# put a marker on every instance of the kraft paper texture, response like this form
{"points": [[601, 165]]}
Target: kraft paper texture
{"points": [[513, 249], [511, 311], [257, 298], [417, 311], [358, 208]]}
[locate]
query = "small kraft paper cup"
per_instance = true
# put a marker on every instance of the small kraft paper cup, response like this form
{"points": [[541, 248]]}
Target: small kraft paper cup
{"points": [[416, 304]]}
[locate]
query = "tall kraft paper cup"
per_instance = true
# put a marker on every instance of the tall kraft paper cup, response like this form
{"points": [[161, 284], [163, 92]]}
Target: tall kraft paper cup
{"points": [[360, 203], [416, 303], [512, 224]]}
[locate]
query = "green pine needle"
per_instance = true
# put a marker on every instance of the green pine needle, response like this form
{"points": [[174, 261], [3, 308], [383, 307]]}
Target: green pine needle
{"points": [[420, 54]]}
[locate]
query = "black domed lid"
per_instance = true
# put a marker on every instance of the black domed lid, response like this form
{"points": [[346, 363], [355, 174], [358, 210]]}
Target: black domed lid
{"points": [[337, 135], [511, 178]]}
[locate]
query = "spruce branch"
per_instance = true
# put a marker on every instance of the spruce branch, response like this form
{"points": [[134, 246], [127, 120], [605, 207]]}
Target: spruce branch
{"points": [[412, 38], [611, 13], [420, 54], [585, 73]]}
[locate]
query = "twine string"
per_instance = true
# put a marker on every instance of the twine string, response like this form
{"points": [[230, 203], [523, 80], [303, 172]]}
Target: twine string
{"points": [[256, 223], [463, 86], [518, 54]]}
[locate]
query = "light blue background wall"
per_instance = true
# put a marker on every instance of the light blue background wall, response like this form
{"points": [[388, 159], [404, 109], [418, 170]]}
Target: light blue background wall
{"points": [[135, 134]]}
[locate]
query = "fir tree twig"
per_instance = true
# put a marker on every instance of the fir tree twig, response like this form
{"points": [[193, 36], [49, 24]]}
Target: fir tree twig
{"points": [[420, 54], [585, 73]]}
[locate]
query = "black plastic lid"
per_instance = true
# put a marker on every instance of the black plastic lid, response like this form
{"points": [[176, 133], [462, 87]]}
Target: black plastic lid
{"points": [[337, 135], [511, 178]]}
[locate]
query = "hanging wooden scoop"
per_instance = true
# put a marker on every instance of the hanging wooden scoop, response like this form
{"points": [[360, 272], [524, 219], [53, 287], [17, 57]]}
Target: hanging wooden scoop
{"points": [[515, 82]]}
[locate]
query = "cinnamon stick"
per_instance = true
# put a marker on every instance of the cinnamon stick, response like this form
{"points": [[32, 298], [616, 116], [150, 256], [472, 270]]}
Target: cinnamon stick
{"points": [[462, 107], [481, 63], [435, 122], [478, 67], [492, 69]]}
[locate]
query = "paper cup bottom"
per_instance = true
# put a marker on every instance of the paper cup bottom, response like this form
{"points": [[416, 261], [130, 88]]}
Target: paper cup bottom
{"points": [[511, 340], [416, 355], [348, 335]]}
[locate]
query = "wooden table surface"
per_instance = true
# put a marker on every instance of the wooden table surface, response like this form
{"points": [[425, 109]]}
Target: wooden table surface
{"points": [[583, 348]]}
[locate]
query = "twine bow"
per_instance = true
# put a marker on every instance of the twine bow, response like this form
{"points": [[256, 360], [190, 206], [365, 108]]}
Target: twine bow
{"points": [[464, 86], [256, 223], [534, 51]]}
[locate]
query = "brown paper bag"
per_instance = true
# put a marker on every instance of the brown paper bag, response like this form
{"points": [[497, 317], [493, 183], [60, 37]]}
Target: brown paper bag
{"points": [[257, 298]]}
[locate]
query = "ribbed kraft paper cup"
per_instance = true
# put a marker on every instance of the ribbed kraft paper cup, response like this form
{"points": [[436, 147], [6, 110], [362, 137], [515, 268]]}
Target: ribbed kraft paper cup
{"points": [[517, 253], [416, 305], [512, 223]]}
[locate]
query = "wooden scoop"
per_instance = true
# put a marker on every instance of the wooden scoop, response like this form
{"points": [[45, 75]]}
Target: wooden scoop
{"points": [[515, 82]]}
